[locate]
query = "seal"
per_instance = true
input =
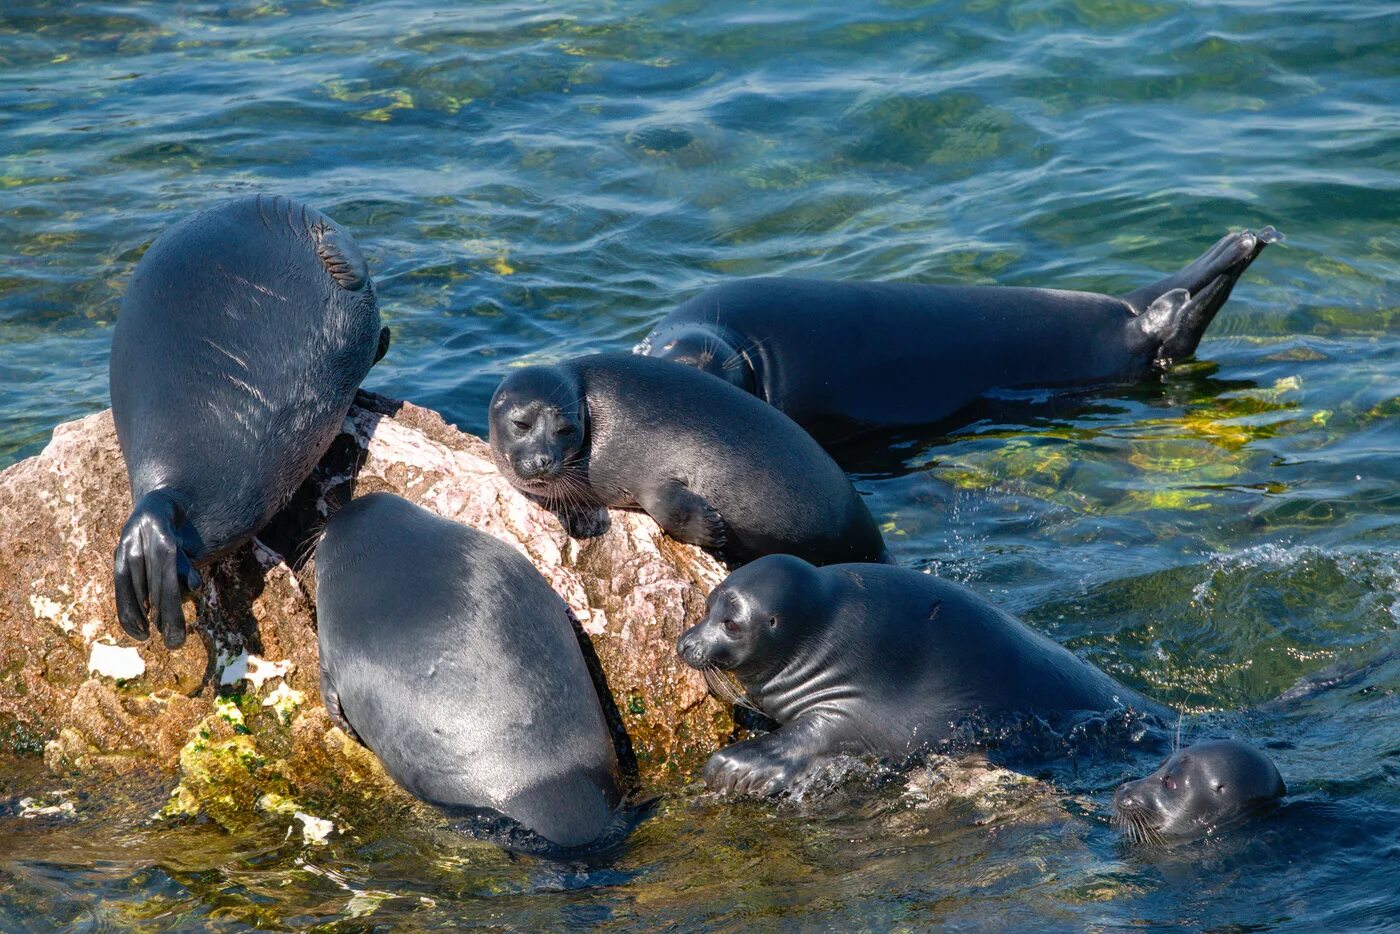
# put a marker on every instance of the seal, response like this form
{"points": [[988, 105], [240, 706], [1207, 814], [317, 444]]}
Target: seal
{"points": [[846, 358], [874, 660], [242, 338], [1201, 789], [711, 464], [446, 653]]}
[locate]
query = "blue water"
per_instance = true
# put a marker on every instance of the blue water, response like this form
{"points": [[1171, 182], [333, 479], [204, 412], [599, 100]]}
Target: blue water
{"points": [[536, 180]]}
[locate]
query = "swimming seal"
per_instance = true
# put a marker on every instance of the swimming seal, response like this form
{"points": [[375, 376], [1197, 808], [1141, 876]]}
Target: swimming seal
{"points": [[711, 464], [865, 659], [446, 653], [242, 338], [1201, 789], [843, 358]]}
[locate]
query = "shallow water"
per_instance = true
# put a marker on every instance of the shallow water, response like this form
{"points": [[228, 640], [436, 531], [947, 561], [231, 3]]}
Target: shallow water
{"points": [[540, 180]]}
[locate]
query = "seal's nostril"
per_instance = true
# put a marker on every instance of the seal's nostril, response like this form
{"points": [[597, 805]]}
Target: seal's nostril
{"points": [[539, 465]]}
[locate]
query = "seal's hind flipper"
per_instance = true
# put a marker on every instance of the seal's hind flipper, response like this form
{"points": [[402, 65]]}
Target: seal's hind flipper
{"points": [[385, 336], [151, 569], [1179, 324], [331, 697]]}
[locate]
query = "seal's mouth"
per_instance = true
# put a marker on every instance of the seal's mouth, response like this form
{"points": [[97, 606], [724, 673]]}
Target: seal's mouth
{"points": [[562, 485], [535, 483]]}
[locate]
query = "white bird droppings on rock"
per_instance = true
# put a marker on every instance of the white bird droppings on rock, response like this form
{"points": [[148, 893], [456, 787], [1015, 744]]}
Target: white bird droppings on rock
{"points": [[253, 669], [116, 661]]}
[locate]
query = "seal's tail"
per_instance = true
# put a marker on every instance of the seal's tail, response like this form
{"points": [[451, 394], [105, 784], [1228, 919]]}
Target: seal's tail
{"points": [[1176, 311], [151, 569]]}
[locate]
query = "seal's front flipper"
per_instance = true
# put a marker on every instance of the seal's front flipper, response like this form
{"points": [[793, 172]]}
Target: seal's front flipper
{"points": [[151, 570], [772, 763], [337, 713], [1207, 283], [685, 515], [384, 338]]}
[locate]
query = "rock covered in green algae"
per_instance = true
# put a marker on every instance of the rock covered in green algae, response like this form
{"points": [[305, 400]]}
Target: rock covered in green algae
{"points": [[237, 719]]}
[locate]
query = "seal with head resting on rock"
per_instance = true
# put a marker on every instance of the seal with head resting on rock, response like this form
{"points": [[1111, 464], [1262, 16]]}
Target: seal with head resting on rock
{"points": [[446, 653], [711, 464], [1206, 787], [875, 660], [241, 341], [846, 358]]}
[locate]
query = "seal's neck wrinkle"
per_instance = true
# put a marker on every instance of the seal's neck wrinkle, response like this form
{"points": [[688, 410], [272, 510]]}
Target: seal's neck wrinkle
{"points": [[808, 667]]}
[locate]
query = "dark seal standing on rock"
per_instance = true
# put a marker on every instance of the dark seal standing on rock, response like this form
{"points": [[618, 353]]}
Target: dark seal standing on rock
{"points": [[866, 659], [446, 653], [711, 464], [242, 338], [843, 358], [1203, 788]]}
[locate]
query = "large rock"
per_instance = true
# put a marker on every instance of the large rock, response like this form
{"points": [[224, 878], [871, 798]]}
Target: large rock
{"points": [[236, 717]]}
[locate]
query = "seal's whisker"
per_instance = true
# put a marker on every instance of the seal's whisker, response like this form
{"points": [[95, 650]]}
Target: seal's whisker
{"points": [[725, 689]]}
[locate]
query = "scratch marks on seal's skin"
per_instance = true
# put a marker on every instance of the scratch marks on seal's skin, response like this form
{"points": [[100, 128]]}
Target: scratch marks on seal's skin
{"points": [[279, 206], [261, 216], [248, 387], [257, 287], [227, 353]]}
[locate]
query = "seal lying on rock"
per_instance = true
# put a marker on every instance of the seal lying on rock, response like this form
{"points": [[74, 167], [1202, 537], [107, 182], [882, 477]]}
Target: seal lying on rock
{"points": [[868, 659], [446, 653], [1201, 789], [711, 464], [842, 358], [242, 338]]}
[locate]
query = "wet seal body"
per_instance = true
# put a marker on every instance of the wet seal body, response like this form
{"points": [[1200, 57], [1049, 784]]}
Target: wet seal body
{"points": [[862, 659], [1203, 788], [711, 464], [242, 339], [446, 653], [843, 358]]}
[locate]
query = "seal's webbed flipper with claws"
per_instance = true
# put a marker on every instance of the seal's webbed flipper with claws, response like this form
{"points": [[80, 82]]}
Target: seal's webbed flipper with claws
{"points": [[774, 762], [685, 515], [1175, 312], [331, 697], [152, 573]]}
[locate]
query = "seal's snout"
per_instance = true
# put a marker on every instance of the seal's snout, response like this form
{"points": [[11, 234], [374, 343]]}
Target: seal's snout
{"points": [[689, 648], [1125, 800], [537, 467]]}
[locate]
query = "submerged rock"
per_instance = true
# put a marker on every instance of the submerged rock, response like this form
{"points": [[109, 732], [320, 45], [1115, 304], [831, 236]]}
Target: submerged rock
{"points": [[236, 717]]}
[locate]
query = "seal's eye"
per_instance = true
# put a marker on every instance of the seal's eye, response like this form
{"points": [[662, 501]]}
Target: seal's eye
{"points": [[772, 622], [731, 627], [521, 426], [565, 431], [1169, 782], [1220, 789]]}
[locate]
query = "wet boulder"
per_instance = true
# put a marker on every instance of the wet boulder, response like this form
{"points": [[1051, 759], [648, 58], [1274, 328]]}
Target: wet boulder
{"points": [[234, 718]]}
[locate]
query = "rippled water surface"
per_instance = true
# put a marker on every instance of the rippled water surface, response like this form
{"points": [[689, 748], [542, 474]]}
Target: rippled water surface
{"points": [[540, 180]]}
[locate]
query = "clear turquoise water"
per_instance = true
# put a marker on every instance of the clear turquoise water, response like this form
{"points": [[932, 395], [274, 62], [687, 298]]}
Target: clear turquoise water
{"points": [[547, 179]]}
